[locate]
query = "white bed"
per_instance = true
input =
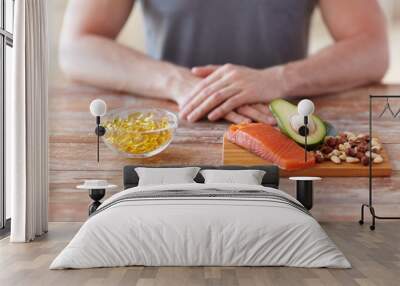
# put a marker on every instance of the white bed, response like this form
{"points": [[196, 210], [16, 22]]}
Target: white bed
{"points": [[268, 228]]}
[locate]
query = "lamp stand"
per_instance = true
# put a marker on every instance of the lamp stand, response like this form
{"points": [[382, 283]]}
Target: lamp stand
{"points": [[100, 131], [305, 137]]}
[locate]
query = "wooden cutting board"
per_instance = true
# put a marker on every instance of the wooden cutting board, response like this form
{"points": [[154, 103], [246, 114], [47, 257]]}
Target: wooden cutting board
{"points": [[235, 155]]}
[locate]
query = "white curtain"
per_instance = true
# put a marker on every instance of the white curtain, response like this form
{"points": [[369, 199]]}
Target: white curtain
{"points": [[26, 117]]}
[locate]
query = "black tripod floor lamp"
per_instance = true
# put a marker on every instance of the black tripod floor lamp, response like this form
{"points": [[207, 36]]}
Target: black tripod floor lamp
{"points": [[394, 115]]}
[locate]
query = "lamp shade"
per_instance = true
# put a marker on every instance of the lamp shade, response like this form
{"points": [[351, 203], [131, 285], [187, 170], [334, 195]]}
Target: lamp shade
{"points": [[305, 107], [98, 107]]}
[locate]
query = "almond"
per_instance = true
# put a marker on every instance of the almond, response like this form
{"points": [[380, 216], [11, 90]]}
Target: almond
{"points": [[352, 160], [335, 159]]}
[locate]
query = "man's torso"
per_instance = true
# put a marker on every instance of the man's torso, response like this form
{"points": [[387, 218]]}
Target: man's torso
{"points": [[255, 33]]}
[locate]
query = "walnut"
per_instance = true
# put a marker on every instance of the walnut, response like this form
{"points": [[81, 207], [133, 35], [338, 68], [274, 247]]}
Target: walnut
{"points": [[365, 161], [351, 152], [362, 148], [319, 158], [332, 142], [326, 150], [342, 139], [360, 155]]}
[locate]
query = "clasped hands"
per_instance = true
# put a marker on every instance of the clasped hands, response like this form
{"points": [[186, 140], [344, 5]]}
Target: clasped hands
{"points": [[236, 93]]}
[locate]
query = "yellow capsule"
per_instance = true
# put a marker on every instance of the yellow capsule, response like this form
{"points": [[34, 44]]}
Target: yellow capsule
{"points": [[133, 134]]}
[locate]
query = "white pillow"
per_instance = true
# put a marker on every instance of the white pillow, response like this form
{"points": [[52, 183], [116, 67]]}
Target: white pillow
{"points": [[248, 177], [165, 176]]}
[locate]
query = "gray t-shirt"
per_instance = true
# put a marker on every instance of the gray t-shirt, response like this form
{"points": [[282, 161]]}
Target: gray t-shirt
{"points": [[255, 33]]}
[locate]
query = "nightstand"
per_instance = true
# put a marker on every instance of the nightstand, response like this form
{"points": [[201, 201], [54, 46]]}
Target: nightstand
{"points": [[304, 190], [97, 190]]}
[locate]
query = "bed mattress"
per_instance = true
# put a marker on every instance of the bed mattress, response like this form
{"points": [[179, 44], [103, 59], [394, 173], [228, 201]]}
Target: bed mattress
{"points": [[201, 225]]}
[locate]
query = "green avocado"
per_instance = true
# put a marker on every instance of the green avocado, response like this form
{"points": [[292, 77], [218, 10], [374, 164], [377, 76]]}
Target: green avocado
{"points": [[289, 122]]}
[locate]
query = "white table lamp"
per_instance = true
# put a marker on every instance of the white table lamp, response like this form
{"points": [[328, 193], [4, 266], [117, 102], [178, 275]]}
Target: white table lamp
{"points": [[305, 108]]}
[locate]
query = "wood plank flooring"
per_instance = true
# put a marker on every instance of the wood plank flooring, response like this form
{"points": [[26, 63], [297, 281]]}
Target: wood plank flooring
{"points": [[375, 257]]}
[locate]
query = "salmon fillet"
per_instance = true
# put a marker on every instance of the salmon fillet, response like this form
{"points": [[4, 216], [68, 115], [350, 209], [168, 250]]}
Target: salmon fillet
{"points": [[270, 144]]}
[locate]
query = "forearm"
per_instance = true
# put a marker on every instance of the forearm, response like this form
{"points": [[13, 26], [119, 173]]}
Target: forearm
{"points": [[345, 64], [105, 63]]}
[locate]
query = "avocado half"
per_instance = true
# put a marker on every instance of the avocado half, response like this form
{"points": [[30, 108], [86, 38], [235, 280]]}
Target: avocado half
{"points": [[284, 111]]}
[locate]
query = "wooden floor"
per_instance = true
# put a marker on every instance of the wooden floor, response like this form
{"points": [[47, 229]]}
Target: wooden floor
{"points": [[375, 257]]}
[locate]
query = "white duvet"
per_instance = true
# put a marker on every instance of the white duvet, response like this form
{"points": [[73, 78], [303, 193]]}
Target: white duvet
{"points": [[200, 231]]}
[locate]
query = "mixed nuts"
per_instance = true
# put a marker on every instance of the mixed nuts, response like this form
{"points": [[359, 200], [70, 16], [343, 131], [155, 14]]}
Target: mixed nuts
{"points": [[350, 148]]}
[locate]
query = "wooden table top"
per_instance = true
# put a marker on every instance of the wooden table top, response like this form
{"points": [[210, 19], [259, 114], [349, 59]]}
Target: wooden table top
{"points": [[73, 142]]}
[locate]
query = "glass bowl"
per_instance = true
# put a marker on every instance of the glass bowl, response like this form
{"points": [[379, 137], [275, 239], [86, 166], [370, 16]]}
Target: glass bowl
{"points": [[139, 133]]}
